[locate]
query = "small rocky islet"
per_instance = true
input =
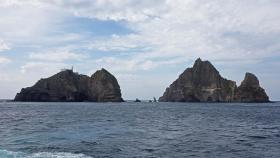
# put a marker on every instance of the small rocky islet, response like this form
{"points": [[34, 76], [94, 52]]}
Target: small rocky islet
{"points": [[68, 86], [201, 83]]}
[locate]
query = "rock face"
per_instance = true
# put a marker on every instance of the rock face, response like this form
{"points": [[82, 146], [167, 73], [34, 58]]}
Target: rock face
{"points": [[67, 86], [104, 87], [250, 90], [203, 83]]}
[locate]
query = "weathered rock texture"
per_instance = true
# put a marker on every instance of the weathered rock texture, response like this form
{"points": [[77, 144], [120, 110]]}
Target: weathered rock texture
{"points": [[203, 83], [69, 86], [250, 90]]}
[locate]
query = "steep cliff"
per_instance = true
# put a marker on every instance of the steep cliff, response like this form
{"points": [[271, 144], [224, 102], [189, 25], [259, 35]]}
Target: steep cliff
{"points": [[69, 86], [250, 90], [203, 83], [104, 87]]}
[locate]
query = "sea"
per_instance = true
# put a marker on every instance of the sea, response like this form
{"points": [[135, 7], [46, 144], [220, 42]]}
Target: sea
{"points": [[139, 130]]}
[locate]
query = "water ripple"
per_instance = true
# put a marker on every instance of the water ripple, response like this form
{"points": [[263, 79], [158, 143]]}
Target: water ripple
{"points": [[85, 130]]}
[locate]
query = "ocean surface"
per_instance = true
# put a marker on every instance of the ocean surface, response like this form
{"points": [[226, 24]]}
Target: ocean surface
{"points": [[89, 130]]}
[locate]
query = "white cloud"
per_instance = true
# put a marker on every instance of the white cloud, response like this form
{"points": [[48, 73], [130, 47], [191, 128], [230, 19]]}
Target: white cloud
{"points": [[118, 10], [215, 30], [3, 46], [16, 3], [134, 64], [57, 55], [119, 43], [164, 32], [4, 60], [170, 29], [27, 21], [42, 69]]}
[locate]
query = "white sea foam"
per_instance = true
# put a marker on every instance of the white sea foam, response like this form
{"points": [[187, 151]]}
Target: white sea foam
{"points": [[11, 154]]}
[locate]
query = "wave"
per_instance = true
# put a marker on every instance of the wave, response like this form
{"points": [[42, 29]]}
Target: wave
{"points": [[11, 154]]}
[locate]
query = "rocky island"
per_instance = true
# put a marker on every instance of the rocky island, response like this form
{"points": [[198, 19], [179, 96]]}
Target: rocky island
{"points": [[250, 90], [203, 83], [68, 86]]}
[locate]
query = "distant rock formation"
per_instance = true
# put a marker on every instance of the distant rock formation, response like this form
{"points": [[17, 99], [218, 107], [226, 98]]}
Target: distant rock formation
{"points": [[250, 90], [203, 83], [67, 86], [155, 100]]}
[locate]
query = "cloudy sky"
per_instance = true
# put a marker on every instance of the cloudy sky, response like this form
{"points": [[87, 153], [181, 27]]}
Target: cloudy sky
{"points": [[146, 44]]}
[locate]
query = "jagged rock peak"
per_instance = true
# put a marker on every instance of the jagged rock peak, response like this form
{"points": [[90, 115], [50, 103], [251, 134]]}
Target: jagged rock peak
{"points": [[250, 80], [201, 66], [201, 83], [250, 90], [198, 60], [102, 72]]}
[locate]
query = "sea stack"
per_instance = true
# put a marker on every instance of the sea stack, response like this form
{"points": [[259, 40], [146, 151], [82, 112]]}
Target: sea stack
{"points": [[68, 86], [250, 90], [203, 83]]}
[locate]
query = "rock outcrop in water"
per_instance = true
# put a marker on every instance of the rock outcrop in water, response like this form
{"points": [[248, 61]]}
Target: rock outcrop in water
{"points": [[203, 83], [68, 86], [250, 90]]}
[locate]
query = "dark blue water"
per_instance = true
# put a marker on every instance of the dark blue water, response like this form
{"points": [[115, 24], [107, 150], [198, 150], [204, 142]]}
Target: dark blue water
{"points": [[85, 130]]}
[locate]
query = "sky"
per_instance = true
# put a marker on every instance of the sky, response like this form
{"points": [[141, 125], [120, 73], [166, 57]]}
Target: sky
{"points": [[145, 44]]}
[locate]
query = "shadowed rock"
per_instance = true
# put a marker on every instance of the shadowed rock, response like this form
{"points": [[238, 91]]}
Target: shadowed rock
{"points": [[104, 87], [203, 83], [73, 87], [250, 90]]}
